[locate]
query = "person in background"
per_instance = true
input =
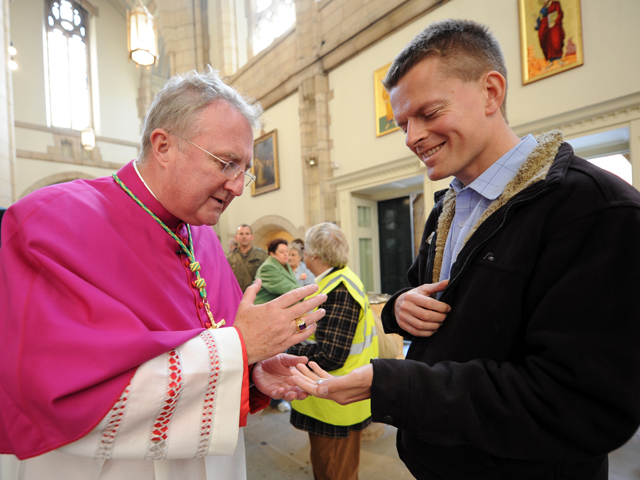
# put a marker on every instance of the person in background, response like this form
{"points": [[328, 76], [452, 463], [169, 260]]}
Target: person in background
{"points": [[246, 259], [277, 279], [275, 272], [300, 270], [522, 303], [345, 339]]}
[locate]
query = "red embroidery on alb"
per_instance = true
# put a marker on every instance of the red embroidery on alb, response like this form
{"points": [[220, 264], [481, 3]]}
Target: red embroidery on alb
{"points": [[208, 408], [157, 448], [109, 433]]}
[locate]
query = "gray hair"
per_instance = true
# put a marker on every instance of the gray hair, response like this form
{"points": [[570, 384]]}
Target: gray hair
{"points": [[297, 247], [328, 242], [467, 49], [177, 106]]}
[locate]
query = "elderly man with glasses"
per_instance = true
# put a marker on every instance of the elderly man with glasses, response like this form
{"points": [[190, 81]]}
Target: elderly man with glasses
{"points": [[128, 349]]}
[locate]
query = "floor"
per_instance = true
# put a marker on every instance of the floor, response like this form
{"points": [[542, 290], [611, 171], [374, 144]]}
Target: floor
{"points": [[277, 451]]}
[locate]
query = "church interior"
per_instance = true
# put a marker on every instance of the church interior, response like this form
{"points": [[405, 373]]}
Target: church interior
{"points": [[77, 78]]}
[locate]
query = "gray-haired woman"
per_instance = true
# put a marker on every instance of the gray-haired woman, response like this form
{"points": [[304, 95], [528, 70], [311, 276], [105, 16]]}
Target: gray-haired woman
{"points": [[344, 340], [304, 276]]}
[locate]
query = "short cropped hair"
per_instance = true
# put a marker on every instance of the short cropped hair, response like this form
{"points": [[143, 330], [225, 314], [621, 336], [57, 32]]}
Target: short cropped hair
{"points": [[273, 244], [244, 225], [328, 242], [176, 107], [467, 49]]}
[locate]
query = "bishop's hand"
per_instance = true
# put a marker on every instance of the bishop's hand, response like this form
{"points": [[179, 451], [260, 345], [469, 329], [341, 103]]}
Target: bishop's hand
{"points": [[271, 328], [274, 377]]}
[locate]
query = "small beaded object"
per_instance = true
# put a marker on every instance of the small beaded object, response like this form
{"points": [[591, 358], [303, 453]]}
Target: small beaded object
{"points": [[199, 283]]}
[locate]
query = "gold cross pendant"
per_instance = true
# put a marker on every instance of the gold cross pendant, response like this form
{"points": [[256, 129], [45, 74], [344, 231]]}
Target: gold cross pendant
{"points": [[214, 325]]}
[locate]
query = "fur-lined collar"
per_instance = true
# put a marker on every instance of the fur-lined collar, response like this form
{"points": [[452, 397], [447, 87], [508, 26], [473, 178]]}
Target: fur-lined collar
{"points": [[534, 169]]}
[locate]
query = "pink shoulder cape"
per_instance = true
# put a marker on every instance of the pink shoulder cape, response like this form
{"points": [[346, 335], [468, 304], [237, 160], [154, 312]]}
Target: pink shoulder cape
{"points": [[90, 288]]}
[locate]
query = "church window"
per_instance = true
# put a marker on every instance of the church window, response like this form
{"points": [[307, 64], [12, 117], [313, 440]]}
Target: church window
{"points": [[271, 19], [67, 64]]}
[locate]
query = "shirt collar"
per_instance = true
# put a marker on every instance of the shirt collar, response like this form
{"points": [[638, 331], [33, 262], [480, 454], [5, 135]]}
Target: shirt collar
{"points": [[135, 166], [494, 179], [135, 183], [323, 274]]}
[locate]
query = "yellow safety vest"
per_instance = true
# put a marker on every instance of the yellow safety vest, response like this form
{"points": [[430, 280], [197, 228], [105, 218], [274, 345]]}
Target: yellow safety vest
{"points": [[364, 347]]}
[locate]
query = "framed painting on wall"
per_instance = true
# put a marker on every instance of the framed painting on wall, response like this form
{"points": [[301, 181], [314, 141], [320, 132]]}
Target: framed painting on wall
{"points": [[550, 37], [265, 164], [385, 123]]}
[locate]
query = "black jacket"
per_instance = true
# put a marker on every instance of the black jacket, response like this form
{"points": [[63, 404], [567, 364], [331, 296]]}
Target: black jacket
{"points": [[535, 373]]}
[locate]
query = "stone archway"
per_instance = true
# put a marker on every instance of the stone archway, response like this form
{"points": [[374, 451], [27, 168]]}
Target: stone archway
{"points": [[265, 228], [56, 178]]}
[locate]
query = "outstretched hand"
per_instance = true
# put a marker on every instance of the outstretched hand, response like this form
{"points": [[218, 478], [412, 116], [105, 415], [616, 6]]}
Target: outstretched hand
{"points": [[274, 377], [418, 313], [353, 387], [270, 328]]}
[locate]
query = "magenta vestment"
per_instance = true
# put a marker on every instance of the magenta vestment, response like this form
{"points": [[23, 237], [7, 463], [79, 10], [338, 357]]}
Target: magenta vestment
{"points": [[90, 288]]}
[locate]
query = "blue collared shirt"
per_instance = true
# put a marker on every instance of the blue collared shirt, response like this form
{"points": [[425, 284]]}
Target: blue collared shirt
{"points": [[474, 199]]}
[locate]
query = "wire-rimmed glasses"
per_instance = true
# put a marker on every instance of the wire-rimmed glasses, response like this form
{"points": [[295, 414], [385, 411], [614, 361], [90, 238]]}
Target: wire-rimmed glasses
{"points": [[231, 169]]}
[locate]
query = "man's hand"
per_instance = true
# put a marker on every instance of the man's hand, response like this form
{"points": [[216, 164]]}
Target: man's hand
{"points": [[353, 387], [273, 377], [271, 328], [419, 314]]}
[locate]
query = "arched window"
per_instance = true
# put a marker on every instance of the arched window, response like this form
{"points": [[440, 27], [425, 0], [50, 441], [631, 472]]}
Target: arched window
{"points": [[68, 64], [271, 19]]}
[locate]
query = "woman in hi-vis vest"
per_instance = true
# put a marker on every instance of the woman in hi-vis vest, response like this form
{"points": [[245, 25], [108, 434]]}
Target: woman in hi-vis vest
{"points": [[344, 339]]}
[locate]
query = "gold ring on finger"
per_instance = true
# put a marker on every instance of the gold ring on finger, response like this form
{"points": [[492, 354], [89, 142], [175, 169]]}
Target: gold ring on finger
{"points": [[300, 323]]}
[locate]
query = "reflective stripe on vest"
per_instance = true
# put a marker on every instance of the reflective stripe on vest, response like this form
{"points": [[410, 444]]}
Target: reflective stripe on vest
{"points": [[364, 347], [358, 348]]}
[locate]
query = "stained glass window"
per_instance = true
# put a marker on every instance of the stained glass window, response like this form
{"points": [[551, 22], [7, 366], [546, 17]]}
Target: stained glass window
{"points": [[68, 64]]}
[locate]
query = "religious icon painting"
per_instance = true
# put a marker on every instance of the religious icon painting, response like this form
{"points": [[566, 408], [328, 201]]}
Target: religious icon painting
{"points": [[550, 37], [385, 123], [265, 164]]}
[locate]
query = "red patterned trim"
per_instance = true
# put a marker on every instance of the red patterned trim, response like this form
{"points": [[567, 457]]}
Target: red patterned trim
{"points": [[110, 432], [209, 405], [158, 441]]}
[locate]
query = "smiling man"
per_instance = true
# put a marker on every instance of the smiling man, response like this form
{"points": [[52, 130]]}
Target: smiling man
{"points": [[522, 310], [113, 295]]}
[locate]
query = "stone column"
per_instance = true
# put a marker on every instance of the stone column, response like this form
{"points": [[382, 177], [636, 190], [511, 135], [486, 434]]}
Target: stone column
{"points": [[8, 193], [307, 29], [181, 24], [319, 196], [227, 37], [145, 96]]}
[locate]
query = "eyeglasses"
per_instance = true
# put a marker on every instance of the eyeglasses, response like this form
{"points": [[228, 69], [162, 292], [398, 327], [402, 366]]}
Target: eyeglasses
{"points": [[231, 169]]}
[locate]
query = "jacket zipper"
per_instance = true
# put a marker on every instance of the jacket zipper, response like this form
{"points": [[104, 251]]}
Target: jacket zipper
{"points": [[492, 234]]}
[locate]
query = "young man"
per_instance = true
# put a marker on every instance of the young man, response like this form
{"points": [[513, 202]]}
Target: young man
{"points": [[245, 259], [112, 292], [522, 309]]}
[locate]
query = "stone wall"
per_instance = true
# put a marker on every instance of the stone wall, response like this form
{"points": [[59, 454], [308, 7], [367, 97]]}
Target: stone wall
{"points": [[7, 151], [327, 34]]}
